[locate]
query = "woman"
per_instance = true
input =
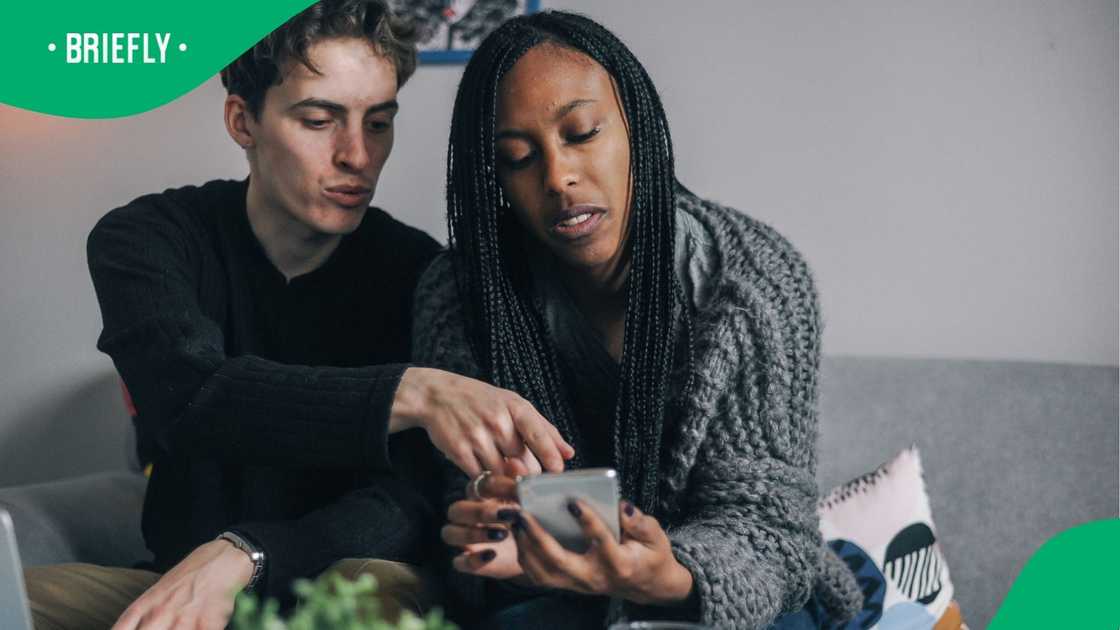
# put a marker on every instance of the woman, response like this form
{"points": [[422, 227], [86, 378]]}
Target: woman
{"points": [[670, 338]]}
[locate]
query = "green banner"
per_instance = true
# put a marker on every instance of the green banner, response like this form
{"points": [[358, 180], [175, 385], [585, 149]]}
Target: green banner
{"points": [[110, 59], [1072, 581]]}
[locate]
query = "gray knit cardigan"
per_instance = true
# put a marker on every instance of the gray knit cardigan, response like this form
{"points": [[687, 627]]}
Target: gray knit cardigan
{"points": [[738, 495]]}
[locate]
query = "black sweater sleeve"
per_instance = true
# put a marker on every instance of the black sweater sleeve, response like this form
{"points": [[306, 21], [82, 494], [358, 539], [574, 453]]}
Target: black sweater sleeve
{"points": [[388, 520], [150, 269]]}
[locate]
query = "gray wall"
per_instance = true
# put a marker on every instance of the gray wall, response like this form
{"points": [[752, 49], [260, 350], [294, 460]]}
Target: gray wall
{"points": [[949, 169]]}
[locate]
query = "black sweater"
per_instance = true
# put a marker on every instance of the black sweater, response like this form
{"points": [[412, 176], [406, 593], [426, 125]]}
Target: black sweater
{"points": [[267, 402]]}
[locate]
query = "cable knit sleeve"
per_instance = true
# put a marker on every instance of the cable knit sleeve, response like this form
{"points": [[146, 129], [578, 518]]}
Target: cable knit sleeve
{"points": [[439, 340], [745, 465], [439, 335]]}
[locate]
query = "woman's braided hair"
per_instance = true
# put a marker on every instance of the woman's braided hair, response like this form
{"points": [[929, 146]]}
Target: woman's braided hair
{"points": [[505, 326]]}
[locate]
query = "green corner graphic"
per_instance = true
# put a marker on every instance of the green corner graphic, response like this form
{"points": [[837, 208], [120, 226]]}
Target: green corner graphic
{"points": [[1072, 581], [111, 59]]}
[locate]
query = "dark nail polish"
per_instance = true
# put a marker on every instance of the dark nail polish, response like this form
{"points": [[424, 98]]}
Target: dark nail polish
{"points": [[496, 534], [487, 555], [628, 508], [507, 515], [573, 507], [518, 524]]}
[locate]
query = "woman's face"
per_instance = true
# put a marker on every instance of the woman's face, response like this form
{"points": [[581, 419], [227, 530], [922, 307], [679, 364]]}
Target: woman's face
{"points": [[563, 157]]}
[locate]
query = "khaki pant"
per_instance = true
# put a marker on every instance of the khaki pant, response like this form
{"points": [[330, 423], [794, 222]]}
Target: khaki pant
{"points": [[87, 596]]}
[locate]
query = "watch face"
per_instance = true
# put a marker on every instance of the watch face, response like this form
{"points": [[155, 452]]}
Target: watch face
{"points": [[450, 30]]}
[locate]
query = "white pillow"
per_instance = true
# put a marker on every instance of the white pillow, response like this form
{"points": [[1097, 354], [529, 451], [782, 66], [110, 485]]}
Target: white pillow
{"points": [[881, 525]]}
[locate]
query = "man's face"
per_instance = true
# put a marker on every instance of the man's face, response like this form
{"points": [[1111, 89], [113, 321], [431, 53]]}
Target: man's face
{"points": [[320, 140]]}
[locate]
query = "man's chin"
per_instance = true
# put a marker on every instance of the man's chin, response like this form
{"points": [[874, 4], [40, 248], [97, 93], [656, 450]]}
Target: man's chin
{"points": [[340, 221]]}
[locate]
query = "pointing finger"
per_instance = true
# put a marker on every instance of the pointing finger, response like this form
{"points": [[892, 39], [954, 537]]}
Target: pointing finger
{"points": [[541, 437]]}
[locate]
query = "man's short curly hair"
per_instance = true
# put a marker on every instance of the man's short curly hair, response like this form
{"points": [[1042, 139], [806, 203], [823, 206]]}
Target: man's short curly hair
{"points": [[261, 67]]}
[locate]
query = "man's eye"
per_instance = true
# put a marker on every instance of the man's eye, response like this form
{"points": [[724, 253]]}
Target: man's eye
{"points": [[378, 126], [584, 137], [316, 123]]}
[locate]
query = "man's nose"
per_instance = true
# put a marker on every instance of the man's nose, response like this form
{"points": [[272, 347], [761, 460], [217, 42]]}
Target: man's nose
{"points": [[351, 152]]}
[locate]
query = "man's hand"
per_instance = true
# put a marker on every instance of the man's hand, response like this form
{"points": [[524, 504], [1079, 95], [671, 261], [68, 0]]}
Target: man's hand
{"points": [[196, 593], [476, 425]]}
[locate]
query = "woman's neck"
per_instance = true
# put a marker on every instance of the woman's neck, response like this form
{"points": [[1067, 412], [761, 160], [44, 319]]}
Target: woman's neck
{"points": [[600, 294]]}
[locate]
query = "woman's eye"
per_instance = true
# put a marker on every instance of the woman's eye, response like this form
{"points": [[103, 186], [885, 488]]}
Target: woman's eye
{"points": [[584, 137], [516, 163], [316, 123]]}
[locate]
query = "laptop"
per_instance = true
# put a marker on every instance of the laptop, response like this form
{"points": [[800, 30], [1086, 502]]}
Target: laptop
{"points": [[15, 614]]}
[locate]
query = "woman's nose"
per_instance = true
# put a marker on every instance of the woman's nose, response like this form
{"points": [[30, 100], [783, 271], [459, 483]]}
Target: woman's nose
{"points": [[560, 172]]}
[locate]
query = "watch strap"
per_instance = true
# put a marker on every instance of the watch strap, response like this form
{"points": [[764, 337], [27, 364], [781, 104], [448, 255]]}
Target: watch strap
{"points": [[254, 553]]}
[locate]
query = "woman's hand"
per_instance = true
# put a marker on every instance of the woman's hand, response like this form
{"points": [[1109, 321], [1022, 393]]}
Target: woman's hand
{"points": [[481, 528], [641, 568]]}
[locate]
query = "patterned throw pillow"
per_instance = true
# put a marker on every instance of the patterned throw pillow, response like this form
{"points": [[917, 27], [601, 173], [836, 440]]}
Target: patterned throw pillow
{"points": [[880, 525]]}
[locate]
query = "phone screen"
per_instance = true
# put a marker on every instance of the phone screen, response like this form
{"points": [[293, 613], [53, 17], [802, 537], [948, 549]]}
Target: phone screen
{"points": [[546, 498]]}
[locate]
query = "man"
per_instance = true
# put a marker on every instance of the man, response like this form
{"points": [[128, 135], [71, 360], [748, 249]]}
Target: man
{"points": [[262, 329]]}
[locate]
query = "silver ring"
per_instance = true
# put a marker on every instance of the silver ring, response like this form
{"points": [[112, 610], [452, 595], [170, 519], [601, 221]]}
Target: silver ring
{"points": [[473, 488]]}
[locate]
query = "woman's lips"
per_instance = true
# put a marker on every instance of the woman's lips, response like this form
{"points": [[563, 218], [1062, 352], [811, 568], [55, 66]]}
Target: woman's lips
{"points": [[578, 221], [348, 196]]}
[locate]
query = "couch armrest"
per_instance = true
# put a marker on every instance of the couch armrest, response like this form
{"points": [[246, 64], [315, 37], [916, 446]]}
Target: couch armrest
{"points": [[93, 518]]}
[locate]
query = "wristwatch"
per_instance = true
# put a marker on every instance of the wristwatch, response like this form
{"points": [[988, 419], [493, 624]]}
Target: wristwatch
{"points": [[256, 555]]}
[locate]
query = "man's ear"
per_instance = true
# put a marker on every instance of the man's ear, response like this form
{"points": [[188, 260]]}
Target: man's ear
{"points": [[238, 119]]}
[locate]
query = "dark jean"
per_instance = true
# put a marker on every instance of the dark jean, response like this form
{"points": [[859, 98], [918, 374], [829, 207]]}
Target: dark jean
{"points": [[557, 612], [548, 612], [800, 620], [810, 617]]}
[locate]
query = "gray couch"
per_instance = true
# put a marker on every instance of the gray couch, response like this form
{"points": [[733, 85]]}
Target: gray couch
{"points": [[1013, 454]]}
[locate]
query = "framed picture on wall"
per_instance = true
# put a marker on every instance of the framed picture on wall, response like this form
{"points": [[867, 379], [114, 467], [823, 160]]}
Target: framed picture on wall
{"points": [[449, 30]]}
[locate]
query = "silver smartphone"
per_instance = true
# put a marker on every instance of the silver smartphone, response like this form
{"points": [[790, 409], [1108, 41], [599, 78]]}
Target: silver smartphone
{"points": [[14, 612], [546, 498]]}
